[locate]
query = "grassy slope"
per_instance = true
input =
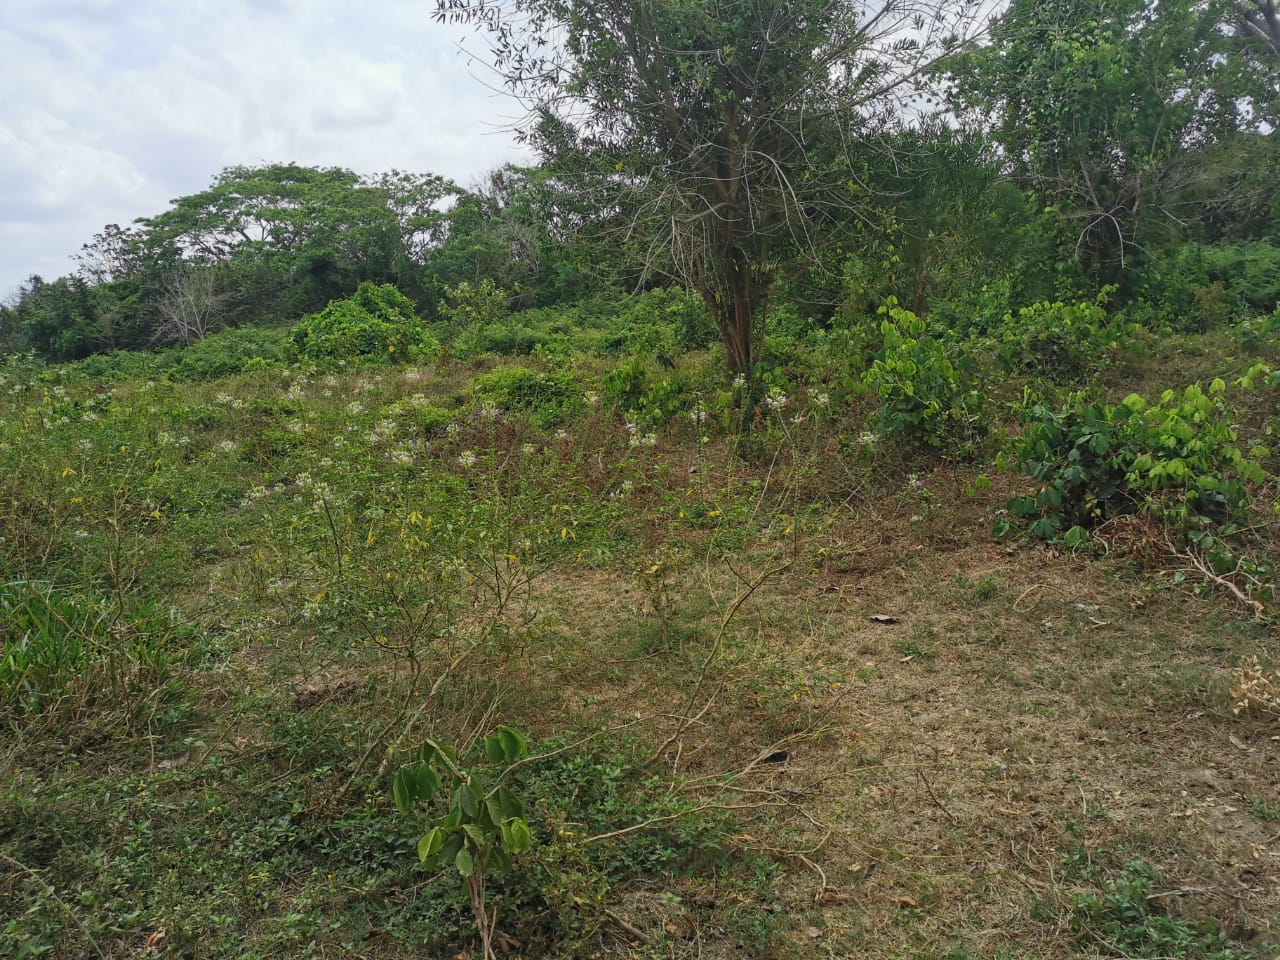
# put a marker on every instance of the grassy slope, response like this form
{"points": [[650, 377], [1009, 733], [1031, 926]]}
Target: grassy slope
{"points": [[289, 563]]}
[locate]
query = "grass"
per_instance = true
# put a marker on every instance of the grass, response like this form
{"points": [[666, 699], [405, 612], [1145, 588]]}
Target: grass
{"points": [[232, 605]]}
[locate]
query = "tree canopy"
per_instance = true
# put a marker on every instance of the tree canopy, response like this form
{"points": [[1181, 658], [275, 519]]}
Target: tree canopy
{"points": [[710, 134]]}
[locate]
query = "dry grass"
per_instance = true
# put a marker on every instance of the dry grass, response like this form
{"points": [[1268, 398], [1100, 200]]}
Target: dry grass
{"points": [[1025, 709]]}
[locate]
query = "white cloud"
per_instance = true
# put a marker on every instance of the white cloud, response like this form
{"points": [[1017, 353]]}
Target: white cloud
{"points": [[111, 108]]}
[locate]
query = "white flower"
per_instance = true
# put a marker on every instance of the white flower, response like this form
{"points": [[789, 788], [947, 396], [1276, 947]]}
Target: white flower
{"points": [[528, 448], [355, 408], [776, 400], [867, 438], [644, 440], [821, 399], [698, 416], [228, 446], [740, 382], [467, 458], [591, 398]]}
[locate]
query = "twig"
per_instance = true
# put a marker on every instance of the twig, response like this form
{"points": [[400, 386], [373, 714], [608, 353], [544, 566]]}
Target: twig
{"points": [[1259, 611], [747, 592], [1025, 593], [627, 927], [54, 893]]}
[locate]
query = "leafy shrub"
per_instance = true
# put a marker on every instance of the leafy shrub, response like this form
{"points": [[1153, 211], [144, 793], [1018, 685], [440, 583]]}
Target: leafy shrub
{"points": [[1199, 287], [549, 398], [1176, 459], [376, 321], [627, 382], [1067, 341], [925, 396], [230, 352], [476, 304]]}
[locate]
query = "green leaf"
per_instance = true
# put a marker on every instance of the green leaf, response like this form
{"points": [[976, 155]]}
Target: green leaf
{"points": [[465, 864], [521, 837], [404, 790], [509, 803], [428, 783], [464, 799], [514, 743], [494, 750], [430, 843]]}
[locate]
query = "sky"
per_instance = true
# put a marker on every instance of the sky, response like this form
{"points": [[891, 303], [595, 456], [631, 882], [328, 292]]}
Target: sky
{"points": [[110, 109]]}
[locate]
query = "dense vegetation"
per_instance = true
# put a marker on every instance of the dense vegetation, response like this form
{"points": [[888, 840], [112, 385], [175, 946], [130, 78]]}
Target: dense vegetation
{"points": [[394, 569]]}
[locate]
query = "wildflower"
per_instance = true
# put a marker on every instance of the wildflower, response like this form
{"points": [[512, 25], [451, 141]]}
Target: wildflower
{"points": [[776, 400], [467, 458], [740, 382], [821, 399], [355, 408], [227, 446], [644, 440], [528, 448], [867, 438], [591, 398], [698, 416]]}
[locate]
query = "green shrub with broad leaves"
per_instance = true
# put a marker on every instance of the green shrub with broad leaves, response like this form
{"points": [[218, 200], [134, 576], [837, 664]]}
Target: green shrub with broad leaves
{"points": [[926, 391], [548, 398], [1060, 341], [1178, 460], [377, 321]]}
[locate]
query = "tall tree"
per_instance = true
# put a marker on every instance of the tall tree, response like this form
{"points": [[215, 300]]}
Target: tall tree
{"points": [[1106, 110], [707, 132]]}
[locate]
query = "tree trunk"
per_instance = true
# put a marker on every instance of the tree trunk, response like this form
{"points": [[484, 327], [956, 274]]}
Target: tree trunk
{"points": [[735, 306]]}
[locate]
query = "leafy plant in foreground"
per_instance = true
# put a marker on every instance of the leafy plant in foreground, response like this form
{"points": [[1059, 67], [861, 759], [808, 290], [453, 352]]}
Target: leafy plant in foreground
{"points": [[1176, 459], [1124, 920], [485, 825]]}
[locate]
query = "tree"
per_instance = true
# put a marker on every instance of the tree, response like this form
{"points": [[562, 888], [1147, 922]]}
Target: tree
{"points": [[1261, 19], [190, 306], [1106, 111], [708, 133]]}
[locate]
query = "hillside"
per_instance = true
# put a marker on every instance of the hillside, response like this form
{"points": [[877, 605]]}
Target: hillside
{"points": [[785, 693]]}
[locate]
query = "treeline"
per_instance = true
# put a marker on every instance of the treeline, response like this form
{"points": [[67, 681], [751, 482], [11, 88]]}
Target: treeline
{"points": [[1087, 145]]}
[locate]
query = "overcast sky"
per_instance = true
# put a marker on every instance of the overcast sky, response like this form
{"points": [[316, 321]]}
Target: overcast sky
{"points": [[109, 109]]}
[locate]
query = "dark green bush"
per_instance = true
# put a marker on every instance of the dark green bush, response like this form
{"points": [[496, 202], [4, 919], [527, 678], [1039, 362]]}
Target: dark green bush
{"points": [[549, 399], [1176, 460], [376, 321]]}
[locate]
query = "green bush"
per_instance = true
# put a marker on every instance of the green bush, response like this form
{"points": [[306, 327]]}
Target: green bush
{"points": [[376, 321], [549, 398], [1176, 460], [1062, 341], [925, 396], [1201, 287]]}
